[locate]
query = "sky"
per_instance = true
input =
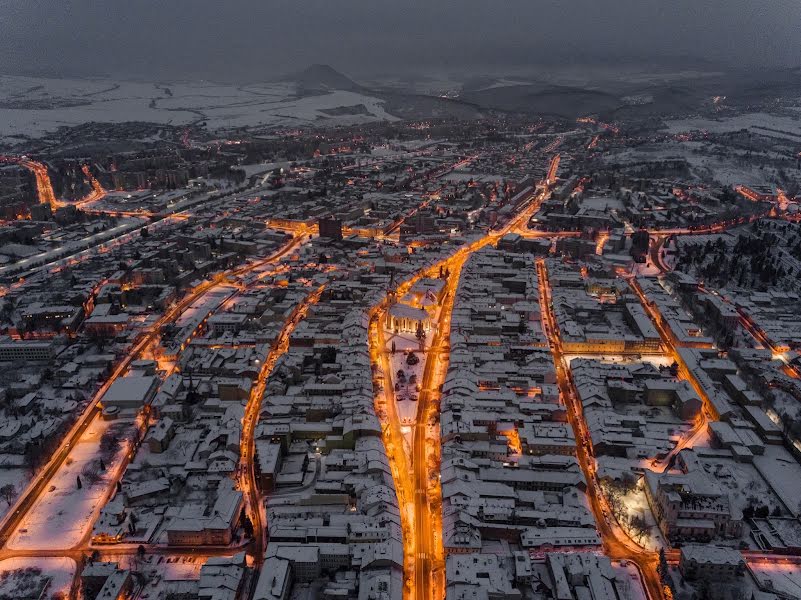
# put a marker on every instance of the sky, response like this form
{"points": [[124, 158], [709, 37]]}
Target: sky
{"points": [[256, 40]]}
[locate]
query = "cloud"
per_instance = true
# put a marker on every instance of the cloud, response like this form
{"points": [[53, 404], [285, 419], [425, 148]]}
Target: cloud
{"points": [[256, 39]]}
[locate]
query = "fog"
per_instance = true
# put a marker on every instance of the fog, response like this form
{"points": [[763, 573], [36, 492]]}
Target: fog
{"points": [[253, 40]]}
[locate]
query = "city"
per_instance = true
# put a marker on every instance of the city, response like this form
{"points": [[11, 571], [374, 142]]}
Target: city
{"points": [[444, 338]]}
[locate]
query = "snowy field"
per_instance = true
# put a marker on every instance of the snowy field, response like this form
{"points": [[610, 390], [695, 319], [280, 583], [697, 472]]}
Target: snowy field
{"points": [[59, 571], [705, 165], [759, 123], [33, 107], [64, 514]]}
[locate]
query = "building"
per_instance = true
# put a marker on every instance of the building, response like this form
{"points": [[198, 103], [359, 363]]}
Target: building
{"points": [[406, 319], [269, 457], [330, 228], [106, 325], [691, 506], [27, 350], [116, 586], [226, 323], [158, 439], [275, 580], [131, 392], [208, 525], [712, 563]]}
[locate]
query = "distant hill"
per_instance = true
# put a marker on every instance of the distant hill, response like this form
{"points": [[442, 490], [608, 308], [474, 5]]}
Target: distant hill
{"points": [[321, 78], [563, 101]]}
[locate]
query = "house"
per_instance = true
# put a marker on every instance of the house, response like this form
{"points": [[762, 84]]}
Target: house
{"points": [[159, 436], [275, 580], [710, 563]]}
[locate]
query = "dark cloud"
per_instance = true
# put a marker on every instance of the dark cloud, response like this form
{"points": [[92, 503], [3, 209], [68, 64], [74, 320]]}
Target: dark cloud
{"points": [[257, 39]]}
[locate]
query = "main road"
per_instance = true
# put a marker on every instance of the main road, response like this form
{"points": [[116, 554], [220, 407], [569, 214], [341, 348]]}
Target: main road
{"points": [[423, 553], [616, 542], [247, 461]]}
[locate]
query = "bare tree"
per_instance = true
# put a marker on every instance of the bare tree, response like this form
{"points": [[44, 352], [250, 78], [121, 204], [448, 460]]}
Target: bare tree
{"points": [[8, 492], [639, 527], [91, 472]]}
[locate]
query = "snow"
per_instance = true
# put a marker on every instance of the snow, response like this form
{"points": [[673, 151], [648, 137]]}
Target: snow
{"points": [[64, 514], [783, 474], [172, 568], [785, 578], [704, 161], [210, 302], [60, 571], [759, 123], [634, 504], [407, 409], [33, 107], [629, 570], [11, 476]]}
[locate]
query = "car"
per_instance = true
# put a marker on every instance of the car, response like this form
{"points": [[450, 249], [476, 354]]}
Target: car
{"points": [[52, 488]]}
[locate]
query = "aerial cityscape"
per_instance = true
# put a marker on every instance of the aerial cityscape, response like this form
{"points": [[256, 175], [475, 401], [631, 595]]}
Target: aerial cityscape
{"points": [[456, 331]]}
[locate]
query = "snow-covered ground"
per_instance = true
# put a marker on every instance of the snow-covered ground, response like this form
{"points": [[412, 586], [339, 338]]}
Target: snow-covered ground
{"points": [[760, 123], [703, 160], [635, 505], [60, 571], [629, 570], [16, 476], [657, 360], [64, 514], [783, 473], [406, 396], [33, 106], [210, 302], [784, 578]]}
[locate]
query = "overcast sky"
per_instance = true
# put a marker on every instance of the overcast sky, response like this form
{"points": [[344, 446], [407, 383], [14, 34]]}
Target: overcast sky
{"points": [[259, 39]]}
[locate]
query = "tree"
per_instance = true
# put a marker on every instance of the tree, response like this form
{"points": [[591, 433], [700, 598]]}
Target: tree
{"points": [[662, 569], [328, 354], [639, 527], [614, 497], [412, 359], [7, 493], [247, 526], [140, 551], [420, 334]]}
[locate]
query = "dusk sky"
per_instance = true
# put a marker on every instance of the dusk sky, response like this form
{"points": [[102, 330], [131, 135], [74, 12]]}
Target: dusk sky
{"points": [[254, 39]]}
